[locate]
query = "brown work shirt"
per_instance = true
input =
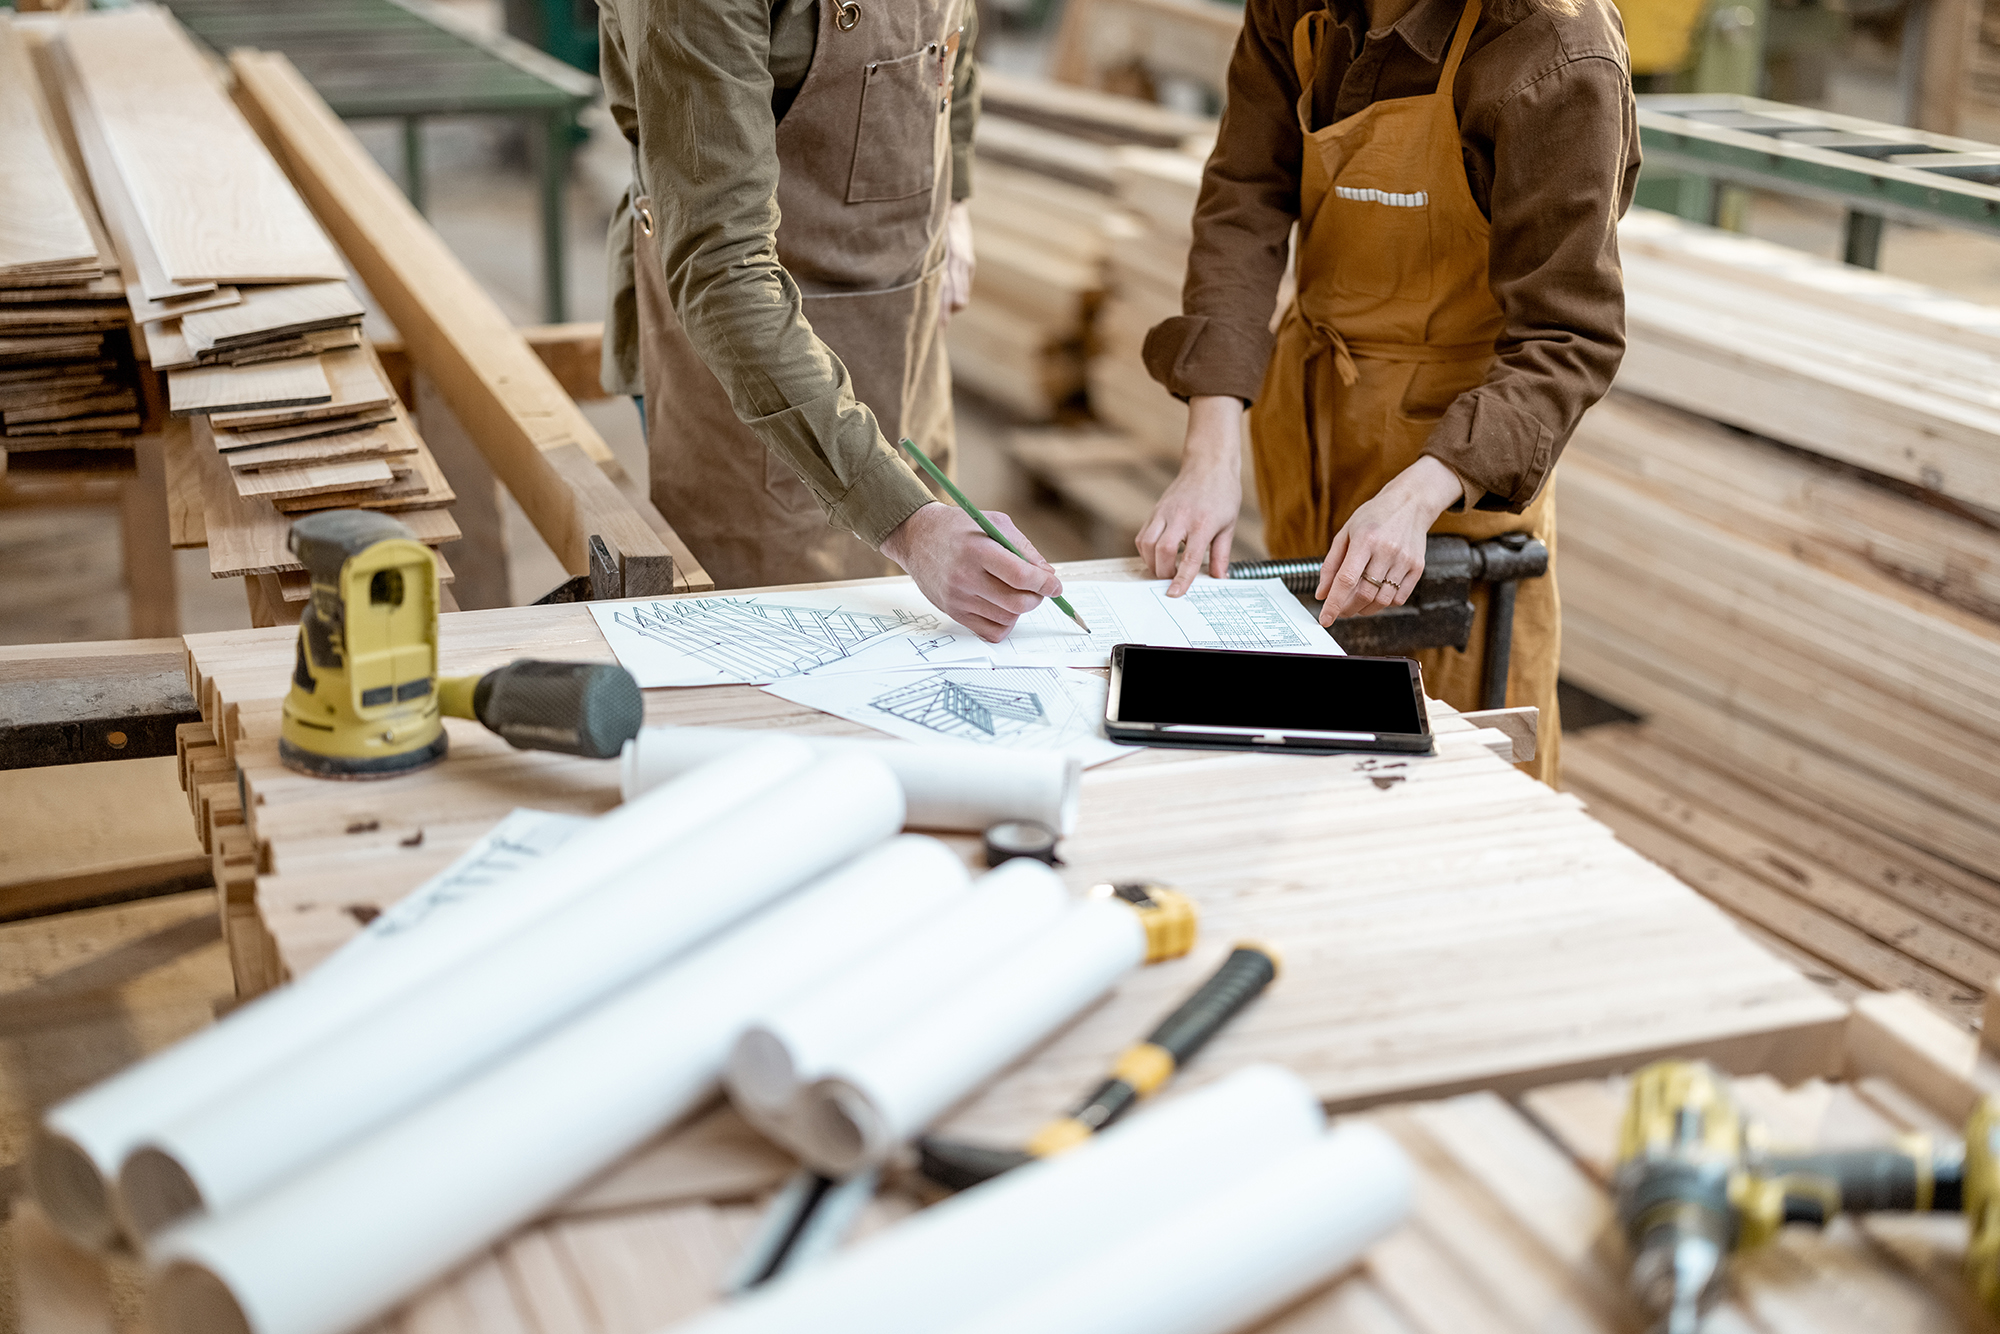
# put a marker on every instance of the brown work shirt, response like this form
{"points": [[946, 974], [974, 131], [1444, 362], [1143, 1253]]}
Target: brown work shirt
{"points": [[698, 88], [1551, 147]]}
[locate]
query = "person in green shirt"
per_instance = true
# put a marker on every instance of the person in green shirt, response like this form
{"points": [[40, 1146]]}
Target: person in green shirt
{"points": [[794, 239]]}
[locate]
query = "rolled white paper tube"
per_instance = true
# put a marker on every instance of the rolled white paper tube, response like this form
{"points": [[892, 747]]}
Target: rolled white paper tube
{"points": [[982, 1245], [356, 1232], [876, 1098], [86, 1138], [947, 787], [1221, 1261], [443, 1031], [803, 1038]]}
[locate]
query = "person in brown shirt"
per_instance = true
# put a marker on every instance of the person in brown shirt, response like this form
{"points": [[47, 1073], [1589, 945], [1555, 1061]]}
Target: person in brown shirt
{"points": [[1456, 170]]}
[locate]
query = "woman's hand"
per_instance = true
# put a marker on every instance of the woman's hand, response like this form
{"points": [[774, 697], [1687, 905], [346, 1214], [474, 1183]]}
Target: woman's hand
{"points": [[1195, 521], [1378, 555], [956, 290]]}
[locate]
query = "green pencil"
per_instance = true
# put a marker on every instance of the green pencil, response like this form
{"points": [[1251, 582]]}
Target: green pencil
{"points": [[1062, 604]]}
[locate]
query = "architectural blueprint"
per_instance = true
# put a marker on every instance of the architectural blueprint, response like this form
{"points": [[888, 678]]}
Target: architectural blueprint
{"points": [[1215, 613], [759, 638], [754, 638], [1024, 708]]}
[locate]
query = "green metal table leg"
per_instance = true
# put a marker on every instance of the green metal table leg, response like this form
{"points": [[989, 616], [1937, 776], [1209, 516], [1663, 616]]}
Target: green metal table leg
{"points": [[555, 151], [1861, 239], [413, 161]]}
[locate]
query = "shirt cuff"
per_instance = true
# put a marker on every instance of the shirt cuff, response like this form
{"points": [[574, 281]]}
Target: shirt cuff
{"points": [[880, 499], [1502, 454], [1196, 355]]}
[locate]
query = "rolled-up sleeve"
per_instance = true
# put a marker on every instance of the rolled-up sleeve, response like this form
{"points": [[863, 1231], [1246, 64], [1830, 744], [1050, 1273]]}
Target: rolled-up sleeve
{"points": [[1565, 161], [709, 160], [1242, 221]]}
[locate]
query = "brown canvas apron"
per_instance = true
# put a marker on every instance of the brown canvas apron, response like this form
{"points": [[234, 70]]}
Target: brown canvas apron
{"points": [[1394, 319], [865, 179]]}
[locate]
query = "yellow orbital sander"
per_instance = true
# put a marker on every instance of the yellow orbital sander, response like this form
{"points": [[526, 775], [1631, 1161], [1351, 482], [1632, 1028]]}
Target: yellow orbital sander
{"points": [[366, 699]]}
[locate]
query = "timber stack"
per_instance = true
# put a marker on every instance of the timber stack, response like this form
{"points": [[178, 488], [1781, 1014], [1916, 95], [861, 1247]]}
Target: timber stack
{"points": [[69, 390], [1808, 618], [274, 402]]}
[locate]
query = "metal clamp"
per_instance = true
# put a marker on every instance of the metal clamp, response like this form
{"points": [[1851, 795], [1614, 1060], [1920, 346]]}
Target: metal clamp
{"points": [[1439, 611]]}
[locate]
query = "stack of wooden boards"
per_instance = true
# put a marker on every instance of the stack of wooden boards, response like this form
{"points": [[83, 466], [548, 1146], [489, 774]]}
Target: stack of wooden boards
{"points": [[1816, 647], [67, 381], [242, 302]]}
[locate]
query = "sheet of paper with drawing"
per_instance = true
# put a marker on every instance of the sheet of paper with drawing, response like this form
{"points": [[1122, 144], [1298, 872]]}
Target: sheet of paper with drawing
{"points": [[1018, 708], [757, 638], [1215, 613]]}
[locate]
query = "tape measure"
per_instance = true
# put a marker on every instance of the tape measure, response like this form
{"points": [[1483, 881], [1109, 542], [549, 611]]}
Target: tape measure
{"points": [[1020, 838]]}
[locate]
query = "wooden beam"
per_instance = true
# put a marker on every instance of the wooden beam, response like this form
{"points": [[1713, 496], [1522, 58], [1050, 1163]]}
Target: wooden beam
{"points": [[570, 351], [497, 387]]}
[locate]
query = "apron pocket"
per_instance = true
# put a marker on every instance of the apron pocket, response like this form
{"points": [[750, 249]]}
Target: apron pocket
{"points": [[895, 145], [1385, 241]]}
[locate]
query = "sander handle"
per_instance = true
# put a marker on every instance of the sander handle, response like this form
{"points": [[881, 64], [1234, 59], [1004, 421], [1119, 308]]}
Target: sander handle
{"points": [[573, 708]]}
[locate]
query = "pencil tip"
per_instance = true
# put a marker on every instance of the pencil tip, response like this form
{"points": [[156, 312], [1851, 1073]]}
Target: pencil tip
{"points": [[1079, 622]]}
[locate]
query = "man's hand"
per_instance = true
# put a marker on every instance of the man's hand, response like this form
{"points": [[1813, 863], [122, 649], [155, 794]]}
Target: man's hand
{"points": [[1378, 555], [956, 291], [1195, 521], [966, 574]]}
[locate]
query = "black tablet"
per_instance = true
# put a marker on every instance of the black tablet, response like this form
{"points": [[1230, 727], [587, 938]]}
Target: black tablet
{"points": [[1225, 699]]}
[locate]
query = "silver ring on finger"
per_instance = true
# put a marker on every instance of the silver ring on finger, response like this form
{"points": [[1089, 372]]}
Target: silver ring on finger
{"points": [[1366, 580]]}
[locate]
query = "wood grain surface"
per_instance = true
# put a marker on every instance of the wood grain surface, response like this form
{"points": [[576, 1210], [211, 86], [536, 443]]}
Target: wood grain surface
{"points": [[209, 198], [42, 224], [269, 312], [273, 385], [355, 384]]}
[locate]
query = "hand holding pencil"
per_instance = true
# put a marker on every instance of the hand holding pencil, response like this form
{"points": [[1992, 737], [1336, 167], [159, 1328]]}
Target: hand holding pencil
{"points": [[983, 581], [951, 489]]}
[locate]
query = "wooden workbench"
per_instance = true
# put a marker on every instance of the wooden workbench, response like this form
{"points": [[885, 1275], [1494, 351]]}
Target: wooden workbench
{"points": [[1448, 924]]}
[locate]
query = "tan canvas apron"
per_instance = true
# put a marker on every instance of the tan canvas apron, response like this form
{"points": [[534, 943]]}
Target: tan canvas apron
{"points": [[865, 179], [1394, 319]]}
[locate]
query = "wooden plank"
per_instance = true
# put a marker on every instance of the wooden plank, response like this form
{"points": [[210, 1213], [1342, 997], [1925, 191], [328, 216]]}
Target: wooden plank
{"points": [[122, 223], [313, 479], [496, 386], [268, 312], [238, 389], [211, 201], [147, 311], [384, 439], [355, 384], [41, 219]]}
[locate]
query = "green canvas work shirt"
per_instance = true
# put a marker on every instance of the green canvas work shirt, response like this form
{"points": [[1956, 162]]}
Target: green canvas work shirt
{"points": [[698, 87]]}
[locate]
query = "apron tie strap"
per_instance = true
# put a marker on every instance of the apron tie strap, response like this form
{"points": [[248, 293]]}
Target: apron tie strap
{"points": [[1345, 352]]}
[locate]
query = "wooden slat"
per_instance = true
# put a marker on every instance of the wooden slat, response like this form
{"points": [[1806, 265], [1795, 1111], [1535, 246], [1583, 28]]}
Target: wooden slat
{"points": [[213, 205], [41, 221], [312, 479], [355, 384], [241, 389], [266, 312]]}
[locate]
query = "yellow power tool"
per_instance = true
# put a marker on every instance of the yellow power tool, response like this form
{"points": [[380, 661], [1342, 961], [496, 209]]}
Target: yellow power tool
{"points": [[366, 699], [1696, 1183]]}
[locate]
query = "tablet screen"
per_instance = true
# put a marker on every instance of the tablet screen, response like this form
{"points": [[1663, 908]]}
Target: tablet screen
{"points": [[1288, 691]]}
